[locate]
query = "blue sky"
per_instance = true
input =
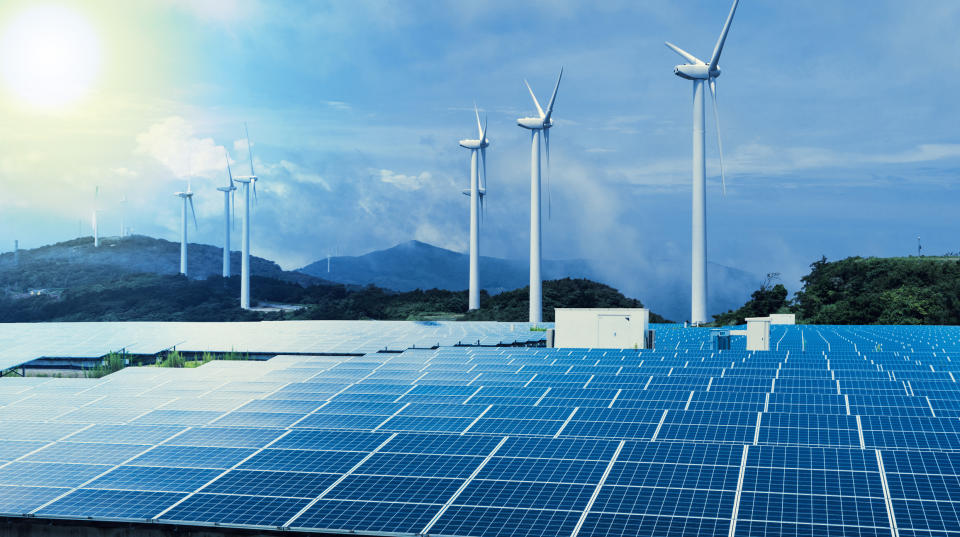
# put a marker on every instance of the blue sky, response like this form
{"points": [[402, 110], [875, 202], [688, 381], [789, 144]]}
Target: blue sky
{"points": [[838, 123]]}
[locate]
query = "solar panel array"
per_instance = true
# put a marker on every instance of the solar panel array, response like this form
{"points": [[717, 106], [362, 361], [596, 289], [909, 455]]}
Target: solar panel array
{"points": [[837, 431], [22, 342]]}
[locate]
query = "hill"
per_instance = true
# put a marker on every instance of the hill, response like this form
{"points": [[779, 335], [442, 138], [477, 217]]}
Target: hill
{"points": [[134, 279], [872, 290], [136, 254], [566, 293], [417, 265]]}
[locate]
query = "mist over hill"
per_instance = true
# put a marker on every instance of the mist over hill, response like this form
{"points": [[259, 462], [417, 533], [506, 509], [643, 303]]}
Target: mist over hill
{"points": [[663, 286]]}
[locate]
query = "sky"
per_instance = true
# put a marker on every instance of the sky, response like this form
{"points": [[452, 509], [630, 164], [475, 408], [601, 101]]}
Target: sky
{"points": [[838, 122]]}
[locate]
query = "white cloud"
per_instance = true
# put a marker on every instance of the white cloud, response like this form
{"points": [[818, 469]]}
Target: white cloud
{"points": [[172, 142], [405, 182]]}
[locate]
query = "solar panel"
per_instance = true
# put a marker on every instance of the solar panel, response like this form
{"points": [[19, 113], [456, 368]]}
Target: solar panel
{"points": [[836, 431]]}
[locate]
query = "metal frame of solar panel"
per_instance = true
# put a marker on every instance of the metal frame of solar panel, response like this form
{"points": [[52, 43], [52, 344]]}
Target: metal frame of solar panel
{"points": [[835, 431]]}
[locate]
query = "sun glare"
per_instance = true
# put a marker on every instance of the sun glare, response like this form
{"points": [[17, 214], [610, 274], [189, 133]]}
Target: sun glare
{"points": [[49, 56]]}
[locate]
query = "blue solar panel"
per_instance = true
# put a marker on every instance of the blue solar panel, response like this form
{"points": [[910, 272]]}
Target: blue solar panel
{"points": [[823, 440]]}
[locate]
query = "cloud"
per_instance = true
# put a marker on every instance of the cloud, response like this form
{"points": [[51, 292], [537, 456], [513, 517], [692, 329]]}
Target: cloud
{"points": [[405, 182], [172, 143]]}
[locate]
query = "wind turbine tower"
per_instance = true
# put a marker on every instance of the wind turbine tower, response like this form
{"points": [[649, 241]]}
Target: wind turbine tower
{"points": [[96, 209], [537, 125], [185, 197], [246, 181], [476, 192], [227, 213], [699, 72], [123, 215]]}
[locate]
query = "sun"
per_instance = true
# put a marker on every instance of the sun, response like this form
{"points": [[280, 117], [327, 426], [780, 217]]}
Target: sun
{"points": [[49, 56]]}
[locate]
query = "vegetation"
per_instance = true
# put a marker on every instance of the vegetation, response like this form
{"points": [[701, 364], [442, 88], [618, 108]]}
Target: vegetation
{"points": [[60, 290], [175, 359], [111, 363], [856, 290], [872, 290], [768, 299], [565, 293]]}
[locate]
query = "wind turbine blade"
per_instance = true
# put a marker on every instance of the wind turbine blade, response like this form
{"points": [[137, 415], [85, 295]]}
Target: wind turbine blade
{"points": [[477, 112], [254, 190], [483, 161], [229, 173], [554, 96], [483, 131], [715, 58], [716, 121], [546, 146], [194, 213], [249, 148], [535, 101], [233, 208], [686, 55]]}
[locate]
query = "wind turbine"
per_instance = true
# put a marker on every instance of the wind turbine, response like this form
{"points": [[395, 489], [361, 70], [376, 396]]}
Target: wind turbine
{"points": [[699, 72], [541, 123], [246, 181], [476, 192], [96, 209], [185, 197], [123, 215], [227, 213]]}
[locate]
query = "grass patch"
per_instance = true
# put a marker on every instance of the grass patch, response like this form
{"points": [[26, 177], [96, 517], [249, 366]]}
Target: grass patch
{"points": [[175, 359], [111, 363]]}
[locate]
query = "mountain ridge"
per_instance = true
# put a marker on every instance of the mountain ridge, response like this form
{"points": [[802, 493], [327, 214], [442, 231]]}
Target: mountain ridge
{"points": [[413, 264]]}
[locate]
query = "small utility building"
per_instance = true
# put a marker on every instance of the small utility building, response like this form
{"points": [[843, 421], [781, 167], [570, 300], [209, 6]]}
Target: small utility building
{"points": [[601, 328]]}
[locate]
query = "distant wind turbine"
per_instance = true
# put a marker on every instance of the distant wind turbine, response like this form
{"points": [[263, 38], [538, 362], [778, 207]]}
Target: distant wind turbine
{"points": [[541, 123], [699, 71], [123, 215], [476, 192], [246, 181], [185, 197], [228, 192], [96, 209]]}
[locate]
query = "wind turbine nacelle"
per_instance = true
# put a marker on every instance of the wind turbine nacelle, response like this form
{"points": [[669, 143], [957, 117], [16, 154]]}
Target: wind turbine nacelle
{"points": [[226, 188], [695, 71], [534, 123], [471, 144]]}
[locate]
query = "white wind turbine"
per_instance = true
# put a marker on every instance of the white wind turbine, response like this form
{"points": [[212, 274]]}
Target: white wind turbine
{"points": [[185, 197], [246, 181], [539, 124], [227, 216], [123, 216], [699, 72], [96, 209], [476, 192]]}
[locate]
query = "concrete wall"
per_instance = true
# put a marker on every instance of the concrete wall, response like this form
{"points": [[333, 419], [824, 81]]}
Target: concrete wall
{"points": [[601, 328]]}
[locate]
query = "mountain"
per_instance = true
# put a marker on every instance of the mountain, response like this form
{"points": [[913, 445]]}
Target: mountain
{"points": [[417, 265], [139, 254]]}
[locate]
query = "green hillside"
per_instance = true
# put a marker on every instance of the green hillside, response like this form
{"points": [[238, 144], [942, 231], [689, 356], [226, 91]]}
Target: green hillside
{"points": [[61, 290], [865, 290], [872, 290]]}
